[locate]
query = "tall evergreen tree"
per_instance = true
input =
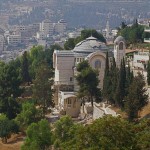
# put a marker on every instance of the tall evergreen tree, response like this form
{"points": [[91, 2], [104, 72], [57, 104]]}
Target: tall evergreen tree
{"points": [[107, 80], [42, 89], [120, 91], [114, 80], [7, 127], [148, 70], [25, 69], [148, 73], [137, 97], [129, 78], [39, 136], [9, 90]]}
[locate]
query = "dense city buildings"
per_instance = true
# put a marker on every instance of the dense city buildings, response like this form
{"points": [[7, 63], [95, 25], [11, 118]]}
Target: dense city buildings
{"points": [[27, 23]]}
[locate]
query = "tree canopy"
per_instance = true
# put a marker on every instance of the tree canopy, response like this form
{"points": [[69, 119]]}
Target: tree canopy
{"points": [[42, 88], [39, 136], [7, 127], [137, 97], [25, 68], [133, 34], [70, 44], [88, 81], [104, 133], [148, 70], [9, 90], [28, 115]]}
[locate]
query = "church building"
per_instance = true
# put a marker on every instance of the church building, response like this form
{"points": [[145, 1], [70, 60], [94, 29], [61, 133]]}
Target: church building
{"points": [[65, 62]]}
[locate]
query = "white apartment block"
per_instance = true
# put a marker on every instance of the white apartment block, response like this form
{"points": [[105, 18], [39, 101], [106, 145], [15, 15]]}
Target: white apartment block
{"points": [[2, 43], [74, 34], [147, 40], [40, 35], [140, 60], [14, 39], [60, 27], [47, 27]]}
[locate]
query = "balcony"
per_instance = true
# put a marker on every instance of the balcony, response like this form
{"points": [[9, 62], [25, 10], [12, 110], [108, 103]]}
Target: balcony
{"points": [[147, 40], [147, 29]]}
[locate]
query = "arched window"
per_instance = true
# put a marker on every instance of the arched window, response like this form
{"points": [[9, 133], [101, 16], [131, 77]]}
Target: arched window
{"points": [[97, 64], [121, 46]]}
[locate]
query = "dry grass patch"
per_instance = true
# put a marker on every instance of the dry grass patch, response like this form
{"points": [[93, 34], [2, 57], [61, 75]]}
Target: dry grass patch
{"points": [[14, 143], [145, 111], [119, 111]]}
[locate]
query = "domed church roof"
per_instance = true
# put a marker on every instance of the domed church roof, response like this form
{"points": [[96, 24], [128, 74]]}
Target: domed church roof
{"points": [[119, 39], [90, 45]]}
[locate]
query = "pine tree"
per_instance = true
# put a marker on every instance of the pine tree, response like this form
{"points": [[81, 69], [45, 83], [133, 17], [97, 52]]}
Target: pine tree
{"points": [[42, 88], [88, 81], [9, 90], [137, 97]]}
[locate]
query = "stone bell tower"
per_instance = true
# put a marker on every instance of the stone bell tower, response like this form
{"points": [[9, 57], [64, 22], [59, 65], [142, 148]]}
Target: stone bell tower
{"points": [[119, 50]]}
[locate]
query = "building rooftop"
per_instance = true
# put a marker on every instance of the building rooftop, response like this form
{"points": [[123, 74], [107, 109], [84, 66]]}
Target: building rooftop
{"points": [[90, 45]]}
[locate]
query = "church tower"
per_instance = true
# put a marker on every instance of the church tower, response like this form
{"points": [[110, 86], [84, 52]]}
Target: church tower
{"points": [[119, 50], [107, 29]]}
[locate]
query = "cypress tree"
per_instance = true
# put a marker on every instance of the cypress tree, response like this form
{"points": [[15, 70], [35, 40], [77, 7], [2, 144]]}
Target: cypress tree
{"points": [[120, 91], [148, 73], [129, 78], [114, 80], [137, 97], [25, 69], [106, 81], [148, 70]]}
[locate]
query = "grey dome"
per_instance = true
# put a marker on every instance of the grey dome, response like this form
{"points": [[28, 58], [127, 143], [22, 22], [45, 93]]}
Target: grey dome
{"points": [[90, 45], [119, 39]]}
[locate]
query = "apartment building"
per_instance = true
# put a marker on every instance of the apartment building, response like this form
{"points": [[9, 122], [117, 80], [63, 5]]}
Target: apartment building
{"points": [[60, 27], [14, 40], [147, 40], [47, 27], [2, 43]]}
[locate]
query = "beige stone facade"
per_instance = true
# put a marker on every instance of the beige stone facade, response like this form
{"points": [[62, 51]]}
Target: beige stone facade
{"points": [[65, 62]]}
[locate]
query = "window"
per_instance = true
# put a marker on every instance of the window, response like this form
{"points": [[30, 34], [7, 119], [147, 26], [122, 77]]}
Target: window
{"points": [[97, 64], [69, 101], [121, 46], [138, 61], [71, 79]]}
